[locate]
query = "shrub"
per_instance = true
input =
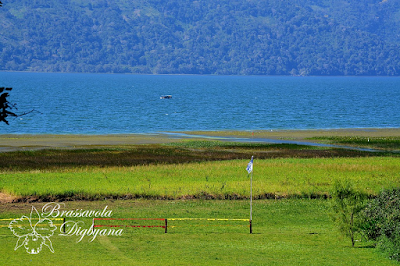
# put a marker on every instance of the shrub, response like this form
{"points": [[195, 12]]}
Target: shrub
{"points": [[381, 222]]}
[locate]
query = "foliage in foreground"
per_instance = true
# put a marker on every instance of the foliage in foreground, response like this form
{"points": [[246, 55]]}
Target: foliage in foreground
{"points": [[381, 222], [378, 220]]}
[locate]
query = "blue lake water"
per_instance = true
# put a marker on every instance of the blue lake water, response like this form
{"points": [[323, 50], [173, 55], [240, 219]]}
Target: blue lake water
{"points": [[108, 104]]}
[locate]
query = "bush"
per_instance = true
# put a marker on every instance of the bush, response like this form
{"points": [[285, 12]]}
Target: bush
{"points": [[381, 222], [390, 246]]}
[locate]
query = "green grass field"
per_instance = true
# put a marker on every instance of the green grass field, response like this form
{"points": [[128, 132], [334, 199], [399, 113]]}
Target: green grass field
{"points": [[194, 179], [285, 232]]}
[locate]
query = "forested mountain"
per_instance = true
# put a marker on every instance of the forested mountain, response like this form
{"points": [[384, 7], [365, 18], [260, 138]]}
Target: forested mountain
{"points": [[241, 37]]}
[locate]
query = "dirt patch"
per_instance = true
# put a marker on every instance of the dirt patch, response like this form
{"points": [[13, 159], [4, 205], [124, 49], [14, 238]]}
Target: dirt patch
{"points": [[201, 196], [5, 198]]}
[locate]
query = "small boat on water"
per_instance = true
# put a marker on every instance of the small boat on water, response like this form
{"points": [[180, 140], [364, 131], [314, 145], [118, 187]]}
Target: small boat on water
{"points": [[166, 97]]}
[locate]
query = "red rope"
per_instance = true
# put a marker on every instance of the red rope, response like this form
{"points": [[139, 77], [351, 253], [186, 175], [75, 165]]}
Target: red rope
{"points": [[159, 219], [148, 226]]}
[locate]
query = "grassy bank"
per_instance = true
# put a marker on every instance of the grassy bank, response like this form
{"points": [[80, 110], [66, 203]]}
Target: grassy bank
{"points": [[286, 232], [381, 143]]}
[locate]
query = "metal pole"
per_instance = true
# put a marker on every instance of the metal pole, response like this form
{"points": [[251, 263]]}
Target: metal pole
{"points": [[251, 202], [166, 225]]}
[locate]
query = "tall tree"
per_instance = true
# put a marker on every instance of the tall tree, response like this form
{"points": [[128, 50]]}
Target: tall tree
{"points": [[347, 204]]}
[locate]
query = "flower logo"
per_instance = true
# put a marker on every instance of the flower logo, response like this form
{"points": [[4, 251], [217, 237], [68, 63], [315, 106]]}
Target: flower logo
{"points": [[33, 236]]}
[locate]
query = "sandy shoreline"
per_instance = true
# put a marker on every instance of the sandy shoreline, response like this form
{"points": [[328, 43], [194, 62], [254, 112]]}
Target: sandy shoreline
{"points": [[307, 133], [13, 142]]}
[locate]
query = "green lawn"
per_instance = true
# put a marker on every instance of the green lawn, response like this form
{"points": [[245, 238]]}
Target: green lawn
{"points": [[285, 232]]}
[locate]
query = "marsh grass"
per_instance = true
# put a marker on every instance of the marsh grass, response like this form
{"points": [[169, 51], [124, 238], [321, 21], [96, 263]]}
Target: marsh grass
{"points": [[236, 145], [175, 153], [273, 178]]}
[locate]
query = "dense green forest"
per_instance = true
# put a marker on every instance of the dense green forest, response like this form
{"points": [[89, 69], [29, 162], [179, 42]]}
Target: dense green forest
{"points": [[230, 37]]}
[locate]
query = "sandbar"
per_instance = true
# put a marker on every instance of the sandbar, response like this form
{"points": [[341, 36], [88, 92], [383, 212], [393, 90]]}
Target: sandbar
{"points": [[16, 142]]}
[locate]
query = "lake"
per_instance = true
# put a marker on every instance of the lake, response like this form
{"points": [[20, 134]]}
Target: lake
{"points": [[114, 103]]}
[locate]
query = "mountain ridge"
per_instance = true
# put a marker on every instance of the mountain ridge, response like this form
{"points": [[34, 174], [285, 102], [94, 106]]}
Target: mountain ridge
{"points": [[267, 37]]}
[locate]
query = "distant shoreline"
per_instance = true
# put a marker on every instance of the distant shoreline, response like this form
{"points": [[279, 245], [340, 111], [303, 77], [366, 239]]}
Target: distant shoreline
{"points": [[16, 142], [194, 74]]}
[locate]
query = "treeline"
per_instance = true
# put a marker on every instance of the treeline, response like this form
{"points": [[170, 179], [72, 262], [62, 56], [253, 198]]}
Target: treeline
{"points": [[231, 37]]}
